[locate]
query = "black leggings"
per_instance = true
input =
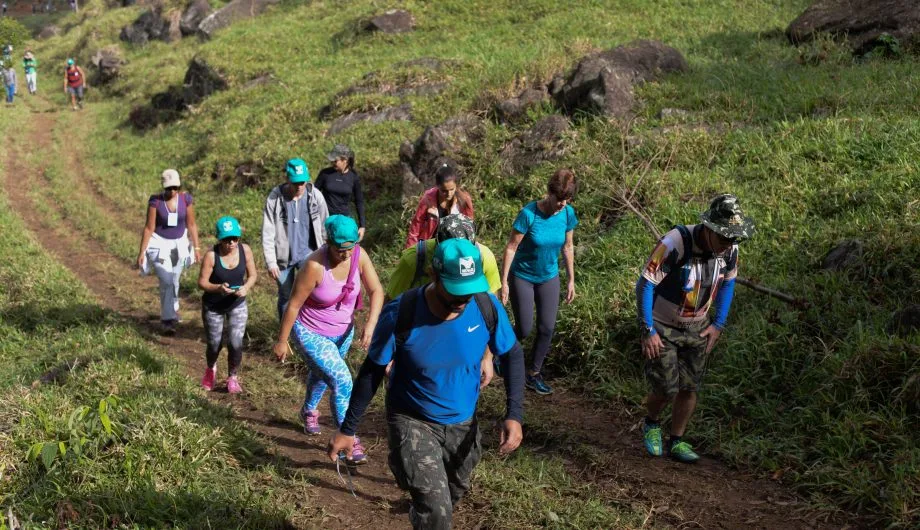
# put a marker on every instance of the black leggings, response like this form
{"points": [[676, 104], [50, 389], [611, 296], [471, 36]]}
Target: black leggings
{"points": [[523, 297]]}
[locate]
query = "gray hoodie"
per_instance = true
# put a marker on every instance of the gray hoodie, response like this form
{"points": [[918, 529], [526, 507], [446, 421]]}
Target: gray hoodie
{"points": [[275, 243], [9, 77]]}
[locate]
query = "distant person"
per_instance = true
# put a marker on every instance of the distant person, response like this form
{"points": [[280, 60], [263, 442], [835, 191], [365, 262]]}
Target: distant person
{"points": [[321, 313], [9, 80], [530, 270], [74, 84], [4, 7], [341, 185], [691, 269], [7, 54], [30, 65], [292, 227], [228, 273], [440, 201], [169, 243], [435, 336]]}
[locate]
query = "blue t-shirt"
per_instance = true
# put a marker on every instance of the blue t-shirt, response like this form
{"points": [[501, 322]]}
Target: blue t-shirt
{"points": [[537, 257], [436, 376]]}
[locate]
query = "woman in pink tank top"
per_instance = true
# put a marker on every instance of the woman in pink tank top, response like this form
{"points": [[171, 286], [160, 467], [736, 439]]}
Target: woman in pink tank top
{"points": [[320, 315]]}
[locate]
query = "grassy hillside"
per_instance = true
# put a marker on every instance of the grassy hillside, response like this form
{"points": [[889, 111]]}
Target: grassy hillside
{"points": [[819, 147]]}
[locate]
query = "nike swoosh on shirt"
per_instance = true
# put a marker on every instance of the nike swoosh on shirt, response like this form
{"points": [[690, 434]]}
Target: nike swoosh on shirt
{"points": [[472, 329]]}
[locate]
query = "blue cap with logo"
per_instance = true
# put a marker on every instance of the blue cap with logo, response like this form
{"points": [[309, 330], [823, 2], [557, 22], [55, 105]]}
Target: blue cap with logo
{"points": [[341, 231], [458, 264], [297, 171], [228, 227]]}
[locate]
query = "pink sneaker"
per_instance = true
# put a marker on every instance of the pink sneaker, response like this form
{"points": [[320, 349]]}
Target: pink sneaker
{"points": [[233, 385], [358, 456], [310, 421], [207, 381]]}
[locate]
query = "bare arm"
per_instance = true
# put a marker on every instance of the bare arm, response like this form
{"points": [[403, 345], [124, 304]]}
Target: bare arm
{"points": [[510, 250], [251, 274], [568, 255], [149, 227], [375, 291], [204, 276], [192, 226]]}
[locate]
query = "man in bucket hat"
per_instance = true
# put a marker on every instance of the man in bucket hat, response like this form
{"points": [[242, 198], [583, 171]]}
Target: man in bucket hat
{"points": [[436, 334], [691, 269]]}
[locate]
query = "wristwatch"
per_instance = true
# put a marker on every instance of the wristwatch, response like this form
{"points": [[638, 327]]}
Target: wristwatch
{"points": [[648, 331]]}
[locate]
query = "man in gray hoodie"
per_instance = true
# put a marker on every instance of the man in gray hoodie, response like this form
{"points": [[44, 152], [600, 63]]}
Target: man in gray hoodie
{"points": [[9, 79], [292, 227]]}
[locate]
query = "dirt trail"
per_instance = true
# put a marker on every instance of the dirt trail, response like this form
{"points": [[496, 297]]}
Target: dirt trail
{"points": [[707, 495]]}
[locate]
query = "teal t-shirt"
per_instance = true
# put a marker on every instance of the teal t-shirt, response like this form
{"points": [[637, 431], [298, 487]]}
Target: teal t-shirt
{"points": [[537, 257], [29, 65]]}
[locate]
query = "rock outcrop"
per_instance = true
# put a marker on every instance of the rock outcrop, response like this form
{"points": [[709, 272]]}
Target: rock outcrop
{"points": [[544, 142], [400, 113], [862, 22], [230, 13], [603, 82], [153, 25], [514, 110], [193, 15], [392, 21], [108, 62], [437, 145]]}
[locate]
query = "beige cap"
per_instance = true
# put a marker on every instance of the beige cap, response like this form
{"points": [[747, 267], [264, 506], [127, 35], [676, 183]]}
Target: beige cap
{"points": [[170, 178]]}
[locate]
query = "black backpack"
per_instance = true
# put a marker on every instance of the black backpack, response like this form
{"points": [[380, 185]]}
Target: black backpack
{"points": [[405, 315]]}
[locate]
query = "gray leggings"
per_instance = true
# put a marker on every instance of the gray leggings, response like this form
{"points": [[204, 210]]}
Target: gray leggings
{"points": [[525, 296], [214, 329]]}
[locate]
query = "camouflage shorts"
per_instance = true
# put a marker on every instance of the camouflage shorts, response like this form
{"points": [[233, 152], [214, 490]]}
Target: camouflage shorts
{"points": [[682, 362], [433, 463]]}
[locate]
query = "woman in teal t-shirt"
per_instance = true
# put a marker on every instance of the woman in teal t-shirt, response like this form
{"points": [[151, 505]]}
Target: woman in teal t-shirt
{"points": [[540, 230]]}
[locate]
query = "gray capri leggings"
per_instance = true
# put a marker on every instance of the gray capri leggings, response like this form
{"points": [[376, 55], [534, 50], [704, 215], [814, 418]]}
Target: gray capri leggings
{"points": [[526, 296], [214, 329]]}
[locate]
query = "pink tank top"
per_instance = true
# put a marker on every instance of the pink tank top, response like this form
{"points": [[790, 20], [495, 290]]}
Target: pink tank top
{"points": [[332, 321]]}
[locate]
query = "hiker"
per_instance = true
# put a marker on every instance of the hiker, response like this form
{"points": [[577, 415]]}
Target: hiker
{"points": [[165, 246], [7, 53], [436, 335], [540, 230], [74, 84], [9, 80], [292, 227], [440, 201], [340, 185], [691, 268], [414, 269], [228, 273], [321, 314], [30, 65]]}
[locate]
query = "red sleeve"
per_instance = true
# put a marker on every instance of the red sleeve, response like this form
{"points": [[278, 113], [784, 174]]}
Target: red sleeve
{"points": [[468, 206], [415, 227]]}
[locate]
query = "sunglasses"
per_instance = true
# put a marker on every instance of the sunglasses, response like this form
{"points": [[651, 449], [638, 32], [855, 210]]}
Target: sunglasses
{"points": [[232, 239], [172, 188]]}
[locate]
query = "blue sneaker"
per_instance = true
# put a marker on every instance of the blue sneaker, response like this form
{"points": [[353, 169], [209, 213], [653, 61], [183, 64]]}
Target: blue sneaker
{"points": [[537, 384], [651, 435]]}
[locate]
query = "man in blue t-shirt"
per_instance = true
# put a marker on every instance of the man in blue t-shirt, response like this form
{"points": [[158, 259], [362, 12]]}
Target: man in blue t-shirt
{"points": [[437, 334]]}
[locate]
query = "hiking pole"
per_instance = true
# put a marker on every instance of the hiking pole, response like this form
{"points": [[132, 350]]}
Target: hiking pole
{"points": [[349, 483]]}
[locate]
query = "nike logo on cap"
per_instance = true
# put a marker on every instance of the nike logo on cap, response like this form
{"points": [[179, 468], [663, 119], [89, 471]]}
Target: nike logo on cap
{"points": [[472, 329]]}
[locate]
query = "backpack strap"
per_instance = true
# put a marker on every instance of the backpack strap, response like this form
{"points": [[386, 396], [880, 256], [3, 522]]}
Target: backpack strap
{"points": [[688, 244], [421, 248], [487, 308], [405, 315]]}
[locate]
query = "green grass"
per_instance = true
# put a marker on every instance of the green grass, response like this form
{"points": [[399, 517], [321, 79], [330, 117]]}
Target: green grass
{"points": [[819, 147]]}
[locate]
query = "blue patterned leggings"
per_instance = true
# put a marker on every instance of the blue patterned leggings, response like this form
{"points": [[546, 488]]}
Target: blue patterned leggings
{"points": [[326, 358]]}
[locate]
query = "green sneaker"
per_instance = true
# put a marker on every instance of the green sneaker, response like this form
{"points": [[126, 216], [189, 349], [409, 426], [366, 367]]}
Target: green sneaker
{"points": [[683, 452], [652, 438]]}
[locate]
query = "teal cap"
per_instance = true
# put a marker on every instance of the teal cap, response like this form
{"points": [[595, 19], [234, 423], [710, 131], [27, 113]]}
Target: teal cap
{"points": [[69, 62], [341, 231], [228, 227], [297, 171], [458, 264]]}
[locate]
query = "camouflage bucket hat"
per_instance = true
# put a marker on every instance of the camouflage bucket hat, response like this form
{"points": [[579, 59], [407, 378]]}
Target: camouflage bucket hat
{"points": [[456, 226], [339, 151], [725, 218]]}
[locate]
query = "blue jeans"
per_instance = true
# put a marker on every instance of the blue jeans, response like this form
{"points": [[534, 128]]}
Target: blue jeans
{"points": [[285, 287], [10, 92]]}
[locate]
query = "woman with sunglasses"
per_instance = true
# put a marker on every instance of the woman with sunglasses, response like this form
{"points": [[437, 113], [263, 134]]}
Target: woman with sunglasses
{"points": [[321, 312], [444, 199], [228, 272], [540, 230], [165, 246]]}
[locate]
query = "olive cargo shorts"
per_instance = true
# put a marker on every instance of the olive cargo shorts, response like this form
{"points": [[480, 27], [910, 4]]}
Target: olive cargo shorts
{"points": [[682, 362]]}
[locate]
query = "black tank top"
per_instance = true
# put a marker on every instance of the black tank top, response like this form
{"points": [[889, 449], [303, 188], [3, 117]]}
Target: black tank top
{"points": [[235, 277]]}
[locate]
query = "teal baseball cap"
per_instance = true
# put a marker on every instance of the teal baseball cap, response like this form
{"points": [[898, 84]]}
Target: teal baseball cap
{"points": [[341, 231], [458, 264], [297, 171], [227, 227], [69, 62]]}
